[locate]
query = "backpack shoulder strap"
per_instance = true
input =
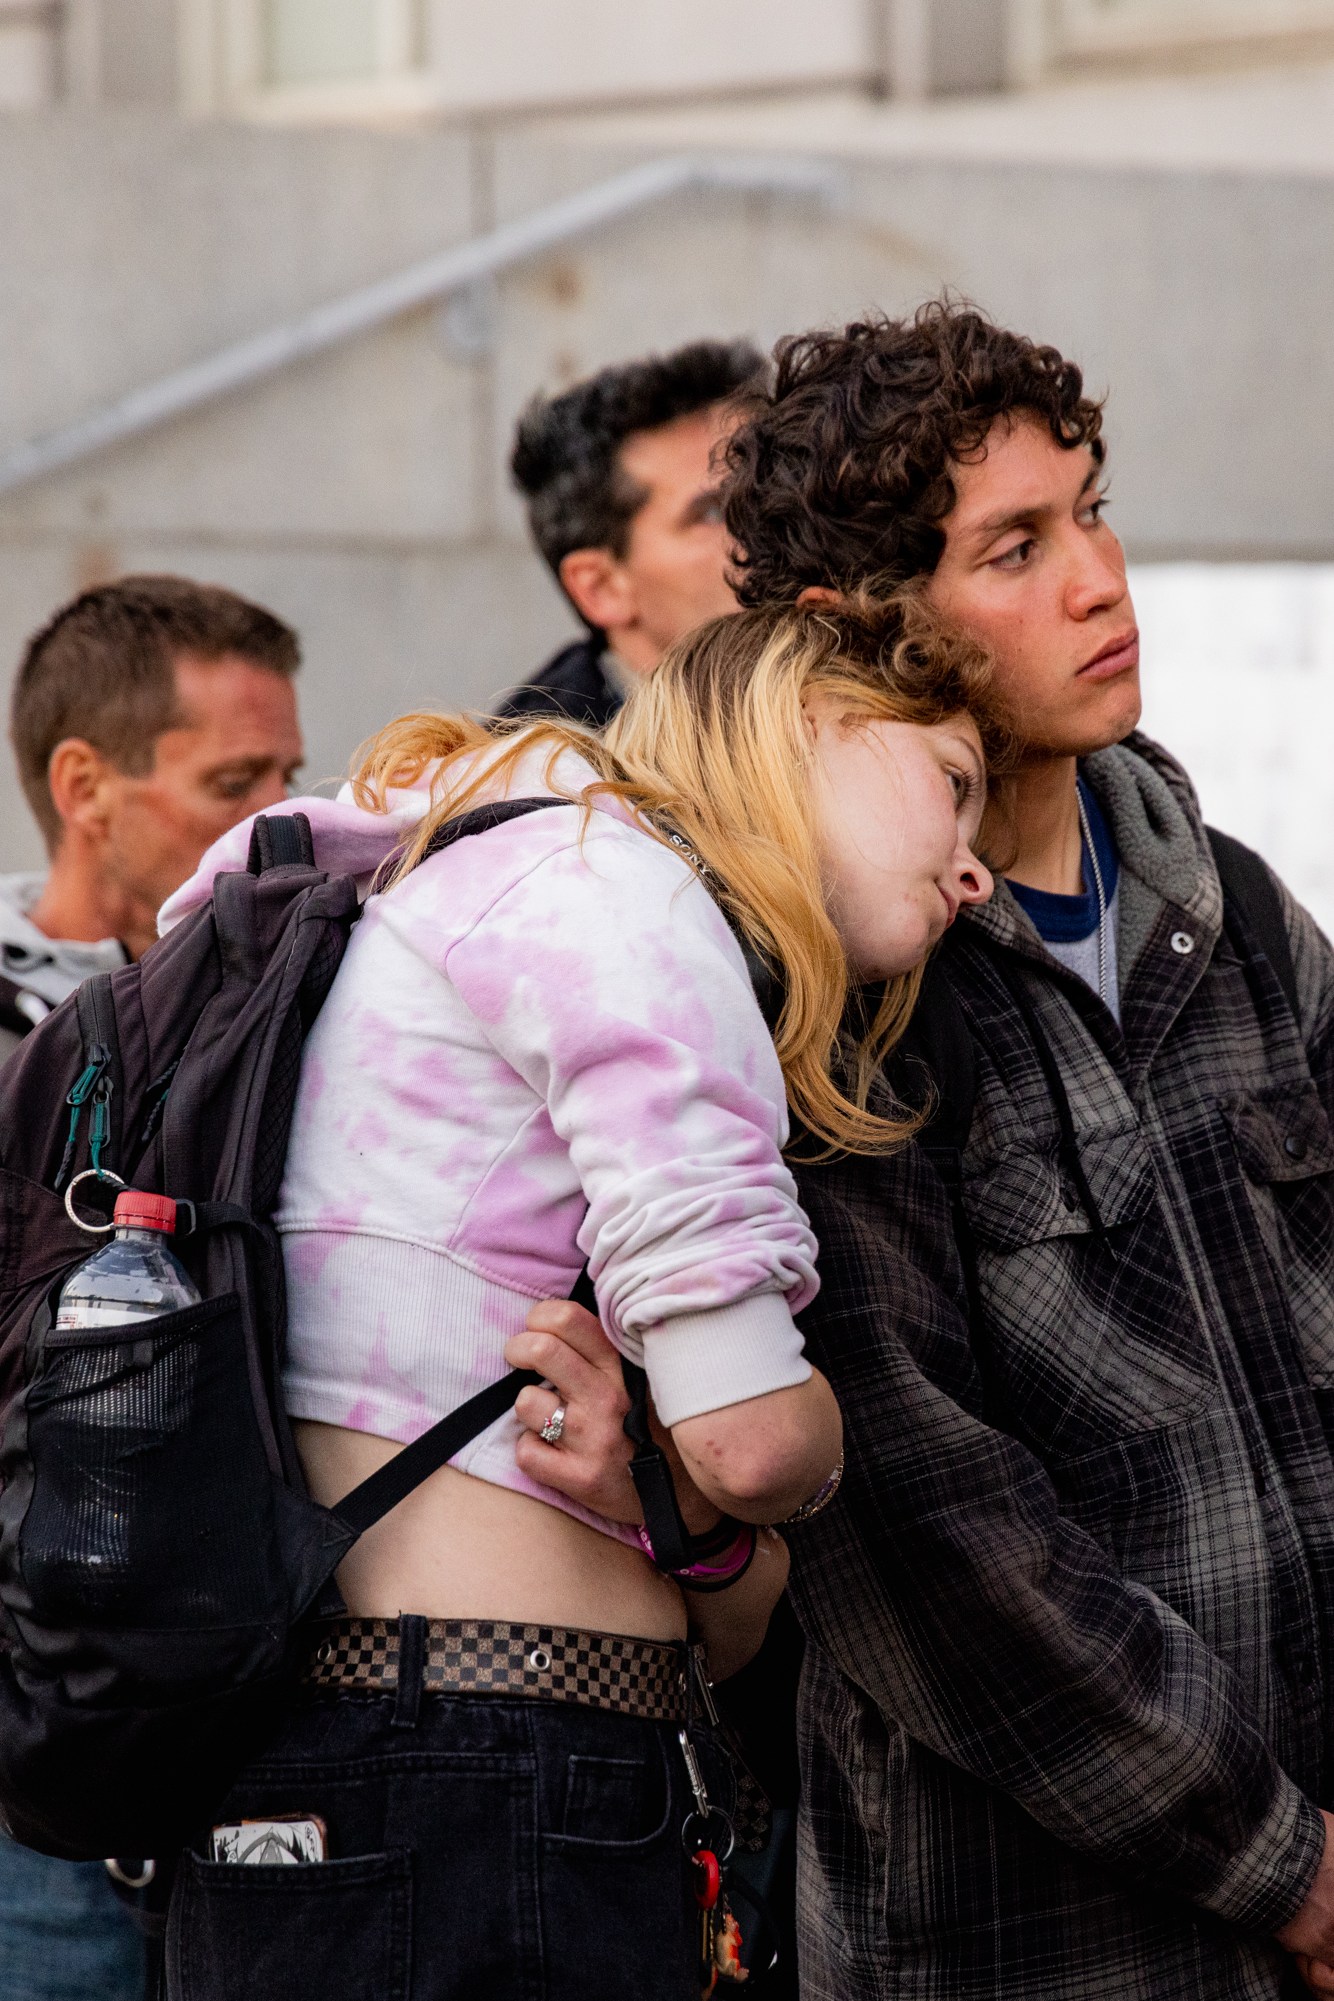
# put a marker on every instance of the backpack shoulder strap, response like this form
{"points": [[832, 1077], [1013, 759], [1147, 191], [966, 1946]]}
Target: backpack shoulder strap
{"points": [[392, 1483], [1250, 889], [280, 840], [480, 820]]}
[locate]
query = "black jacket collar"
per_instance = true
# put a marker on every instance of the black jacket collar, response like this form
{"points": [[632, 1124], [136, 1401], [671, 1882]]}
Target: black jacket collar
{"points": [[573, 684]]}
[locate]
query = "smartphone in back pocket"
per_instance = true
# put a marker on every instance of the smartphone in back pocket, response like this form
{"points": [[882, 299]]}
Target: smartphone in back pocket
{"points": [[295, 1837]]}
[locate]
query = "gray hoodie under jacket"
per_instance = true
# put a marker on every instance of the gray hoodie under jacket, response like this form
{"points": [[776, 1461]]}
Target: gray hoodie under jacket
{"points": [[43, 970]]}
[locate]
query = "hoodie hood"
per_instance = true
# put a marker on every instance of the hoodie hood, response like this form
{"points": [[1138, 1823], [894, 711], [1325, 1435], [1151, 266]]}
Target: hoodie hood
{"points": [[350, 840], [51, 968], [1155, 821]]}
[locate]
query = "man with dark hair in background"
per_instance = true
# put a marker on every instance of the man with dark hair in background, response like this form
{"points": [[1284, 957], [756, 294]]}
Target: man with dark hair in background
{"points": [[1065, 1712], [147, 717], [622, 489]]}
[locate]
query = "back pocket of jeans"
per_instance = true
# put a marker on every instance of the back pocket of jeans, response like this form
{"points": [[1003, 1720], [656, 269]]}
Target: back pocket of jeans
{"points": [[291, 1932], [615, 1801]]}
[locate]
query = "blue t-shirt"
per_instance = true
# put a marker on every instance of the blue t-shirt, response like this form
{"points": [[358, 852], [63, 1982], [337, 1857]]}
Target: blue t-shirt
{"points": [[1068, 925], [1064, 920]]}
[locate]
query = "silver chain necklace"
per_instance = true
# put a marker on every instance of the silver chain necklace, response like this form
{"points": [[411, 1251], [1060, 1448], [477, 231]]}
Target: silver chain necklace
{"points": [[1087, 834]]}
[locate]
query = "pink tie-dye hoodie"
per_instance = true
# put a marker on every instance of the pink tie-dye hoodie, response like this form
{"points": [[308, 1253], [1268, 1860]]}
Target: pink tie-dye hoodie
{"points": [[541, 1048]]}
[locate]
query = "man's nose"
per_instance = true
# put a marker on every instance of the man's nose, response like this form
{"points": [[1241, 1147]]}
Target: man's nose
{"points": [[1098, 577]]}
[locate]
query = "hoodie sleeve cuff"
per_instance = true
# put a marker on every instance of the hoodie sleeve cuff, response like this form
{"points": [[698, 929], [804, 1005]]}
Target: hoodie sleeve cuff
{"points": [[705, 1361]]}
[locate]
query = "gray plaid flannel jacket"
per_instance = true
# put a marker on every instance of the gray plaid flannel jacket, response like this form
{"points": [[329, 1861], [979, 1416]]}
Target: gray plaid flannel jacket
{"points": [[1067, 1699]]}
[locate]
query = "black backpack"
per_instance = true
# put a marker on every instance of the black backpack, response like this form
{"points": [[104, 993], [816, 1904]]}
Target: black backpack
{"points": [[157, 1545]]}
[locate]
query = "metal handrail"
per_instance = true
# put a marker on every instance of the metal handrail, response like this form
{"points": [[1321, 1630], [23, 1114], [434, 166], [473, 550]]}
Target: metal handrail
{"points": [[265, 354]]}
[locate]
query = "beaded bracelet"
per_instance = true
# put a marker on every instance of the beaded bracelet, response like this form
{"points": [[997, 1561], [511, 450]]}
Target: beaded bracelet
{"points": [[819, 1500], [722, 1557]]}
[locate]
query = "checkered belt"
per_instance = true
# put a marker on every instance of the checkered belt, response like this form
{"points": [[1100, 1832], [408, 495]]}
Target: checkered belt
{"points": [[491, 1657]]}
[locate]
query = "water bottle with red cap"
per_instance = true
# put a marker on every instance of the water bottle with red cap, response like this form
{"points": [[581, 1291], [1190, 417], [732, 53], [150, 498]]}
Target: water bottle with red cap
{"points": [[135, 1276]]}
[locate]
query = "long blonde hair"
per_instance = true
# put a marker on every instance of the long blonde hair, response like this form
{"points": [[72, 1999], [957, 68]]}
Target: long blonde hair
{"points": [[714, 748]]}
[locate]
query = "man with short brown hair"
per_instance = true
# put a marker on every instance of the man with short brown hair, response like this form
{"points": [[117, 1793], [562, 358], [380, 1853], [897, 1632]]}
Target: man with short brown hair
{"points": [[148, 717]]}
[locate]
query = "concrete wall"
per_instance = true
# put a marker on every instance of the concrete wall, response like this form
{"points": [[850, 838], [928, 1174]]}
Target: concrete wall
{"points": [[458, 57], [136, 54], [534, 52], [29, 53], [447, 56], [1158, 30], [364, 495], [1199, 300]]}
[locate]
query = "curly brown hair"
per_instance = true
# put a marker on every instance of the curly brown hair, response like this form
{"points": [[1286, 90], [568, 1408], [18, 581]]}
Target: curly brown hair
{"points": [[842, 474]]}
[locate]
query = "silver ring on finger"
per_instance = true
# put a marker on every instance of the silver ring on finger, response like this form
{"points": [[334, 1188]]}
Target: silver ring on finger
{"points": [[553, 1430]]}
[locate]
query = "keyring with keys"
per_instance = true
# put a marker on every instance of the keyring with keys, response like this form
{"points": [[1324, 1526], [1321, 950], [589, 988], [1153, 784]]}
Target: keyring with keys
{"points": [[91, 1174], [707, 1818], [708, 1840]]}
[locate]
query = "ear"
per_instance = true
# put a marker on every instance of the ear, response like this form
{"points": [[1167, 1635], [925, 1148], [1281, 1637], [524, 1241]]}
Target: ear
{"points": [[600, 589], [80, 780], [815, 716], [820, 594]]}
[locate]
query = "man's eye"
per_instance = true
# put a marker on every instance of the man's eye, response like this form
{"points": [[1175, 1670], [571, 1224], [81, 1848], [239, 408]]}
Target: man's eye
{"points": [[710, 509], [1017, 557], [233, 787], [1092, 514]]}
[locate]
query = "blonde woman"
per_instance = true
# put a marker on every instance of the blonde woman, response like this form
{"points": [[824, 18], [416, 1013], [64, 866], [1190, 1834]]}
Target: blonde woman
{"points": [[543, 1049]]}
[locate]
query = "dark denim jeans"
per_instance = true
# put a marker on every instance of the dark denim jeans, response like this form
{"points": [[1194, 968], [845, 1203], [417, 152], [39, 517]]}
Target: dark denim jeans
{"points": [[64, 1934], [511, 1849]]}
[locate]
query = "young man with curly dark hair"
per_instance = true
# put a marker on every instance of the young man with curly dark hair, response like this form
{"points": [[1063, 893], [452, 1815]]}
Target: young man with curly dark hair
{"points": [[621, 482], [1067, 1713], [1067, 1708]]}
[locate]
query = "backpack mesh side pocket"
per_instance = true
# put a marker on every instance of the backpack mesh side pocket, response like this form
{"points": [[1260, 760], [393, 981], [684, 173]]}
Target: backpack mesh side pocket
{"points": [[147, 1464]]}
